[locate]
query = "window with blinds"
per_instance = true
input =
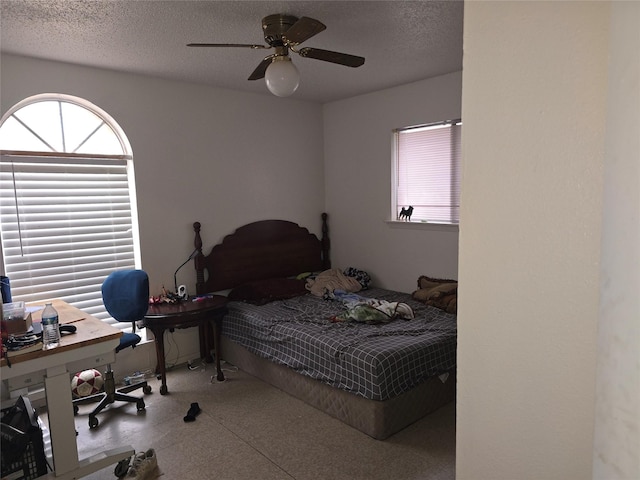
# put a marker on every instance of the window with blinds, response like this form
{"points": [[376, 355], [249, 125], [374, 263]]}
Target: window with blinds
{"points": [[68, 217], [426, 171]]}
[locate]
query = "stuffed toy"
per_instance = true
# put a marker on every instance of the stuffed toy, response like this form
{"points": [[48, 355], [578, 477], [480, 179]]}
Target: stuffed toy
{"points": [[439, 293]]}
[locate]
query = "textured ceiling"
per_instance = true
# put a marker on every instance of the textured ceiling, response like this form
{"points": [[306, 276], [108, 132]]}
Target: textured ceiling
{"points": [[402, 41]]}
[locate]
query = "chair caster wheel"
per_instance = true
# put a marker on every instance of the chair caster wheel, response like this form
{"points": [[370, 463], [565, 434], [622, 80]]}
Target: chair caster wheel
{"points": [[146, 389], [163, 390], [140, 405], [93, 421]]}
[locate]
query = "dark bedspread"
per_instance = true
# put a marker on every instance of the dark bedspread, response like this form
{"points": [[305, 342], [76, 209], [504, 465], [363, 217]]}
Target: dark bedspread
{"points": [[377, 362]]}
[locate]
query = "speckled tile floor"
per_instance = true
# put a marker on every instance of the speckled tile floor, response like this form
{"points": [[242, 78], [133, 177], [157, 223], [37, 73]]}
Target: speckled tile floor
{"points": [[248, 430]]}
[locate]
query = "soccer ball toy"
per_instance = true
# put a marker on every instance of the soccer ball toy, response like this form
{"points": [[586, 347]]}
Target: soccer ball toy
{"points": [[87, 382]]}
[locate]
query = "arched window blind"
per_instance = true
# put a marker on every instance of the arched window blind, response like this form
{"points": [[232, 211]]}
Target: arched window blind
{"points": [[68, 213], [427, 172]]}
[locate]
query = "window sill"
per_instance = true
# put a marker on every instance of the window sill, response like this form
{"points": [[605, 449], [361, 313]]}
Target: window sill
{"points": [[438, 227]]}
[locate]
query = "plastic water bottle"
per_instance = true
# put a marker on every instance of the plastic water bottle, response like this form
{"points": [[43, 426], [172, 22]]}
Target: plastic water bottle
{"points": [[50, 327]]}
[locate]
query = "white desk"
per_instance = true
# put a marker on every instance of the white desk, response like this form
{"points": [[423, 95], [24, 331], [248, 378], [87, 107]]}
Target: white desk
{"points": [[93, 344]]}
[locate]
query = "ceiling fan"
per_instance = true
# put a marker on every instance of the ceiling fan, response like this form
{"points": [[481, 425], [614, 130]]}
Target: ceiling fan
{"points": [[284, 33]]}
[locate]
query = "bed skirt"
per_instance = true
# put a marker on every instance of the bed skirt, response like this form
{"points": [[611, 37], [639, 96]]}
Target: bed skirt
{"points": [[375, 418]]}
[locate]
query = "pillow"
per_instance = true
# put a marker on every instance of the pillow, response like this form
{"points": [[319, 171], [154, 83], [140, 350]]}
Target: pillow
{"points": [[361, 276], [261, 292], [439, 293]]}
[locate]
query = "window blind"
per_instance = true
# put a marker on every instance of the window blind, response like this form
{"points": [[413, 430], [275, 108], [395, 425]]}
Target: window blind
{"points": [[66, 223], [428, 172]]}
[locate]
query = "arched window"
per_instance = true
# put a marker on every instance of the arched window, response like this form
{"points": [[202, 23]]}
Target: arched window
{"points": [[68, 213]]}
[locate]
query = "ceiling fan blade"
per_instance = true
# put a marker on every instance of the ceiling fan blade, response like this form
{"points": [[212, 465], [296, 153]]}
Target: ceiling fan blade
{"points": [[333, 57], [303, 29], [226, 45], [260, 70]]}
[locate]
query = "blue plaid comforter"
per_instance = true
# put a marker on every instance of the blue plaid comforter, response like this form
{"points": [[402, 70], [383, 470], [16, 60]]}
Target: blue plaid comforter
{"points": [[377, 362]]}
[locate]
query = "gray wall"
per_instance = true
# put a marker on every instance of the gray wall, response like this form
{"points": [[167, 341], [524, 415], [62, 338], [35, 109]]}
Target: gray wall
{"points": [[216, 156], [617, 421], [357, 146], [201, 154], [540, 128]]}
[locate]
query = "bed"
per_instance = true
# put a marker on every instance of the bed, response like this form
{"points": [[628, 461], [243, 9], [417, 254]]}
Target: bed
{"points": [[376, 377]]}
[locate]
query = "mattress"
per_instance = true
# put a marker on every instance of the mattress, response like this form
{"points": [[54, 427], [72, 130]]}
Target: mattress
{"points": [[376, 362], [374, 418]]}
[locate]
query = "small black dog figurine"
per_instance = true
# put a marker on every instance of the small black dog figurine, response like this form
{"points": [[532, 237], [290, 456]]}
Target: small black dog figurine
{"points": [[405, 213]]}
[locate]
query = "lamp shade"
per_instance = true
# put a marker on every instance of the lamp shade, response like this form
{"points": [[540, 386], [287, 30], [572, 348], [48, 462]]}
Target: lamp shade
{"points": [[282, 77]]}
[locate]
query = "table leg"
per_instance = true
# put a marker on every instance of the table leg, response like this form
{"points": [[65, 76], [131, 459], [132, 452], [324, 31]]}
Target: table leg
{"points": [[205, 343], [161, 368], [216, 346], [61, 423]]}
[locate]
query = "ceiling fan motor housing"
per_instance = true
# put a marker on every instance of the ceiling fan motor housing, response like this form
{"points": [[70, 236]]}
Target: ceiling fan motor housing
{"points": [[274, 26]]}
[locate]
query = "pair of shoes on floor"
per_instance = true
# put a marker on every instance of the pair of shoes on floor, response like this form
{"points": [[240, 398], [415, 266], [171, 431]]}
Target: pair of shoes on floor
{"points": [[142, 465]]}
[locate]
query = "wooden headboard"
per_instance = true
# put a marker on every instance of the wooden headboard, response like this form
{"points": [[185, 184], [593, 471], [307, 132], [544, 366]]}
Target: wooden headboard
{"points": [[258, 251]]}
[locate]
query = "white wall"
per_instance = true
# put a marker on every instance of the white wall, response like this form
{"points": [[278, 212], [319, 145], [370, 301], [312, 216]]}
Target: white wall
{"points": [[220, 157], [226, 158], [617, 430], [357, 145], [534, 111]]}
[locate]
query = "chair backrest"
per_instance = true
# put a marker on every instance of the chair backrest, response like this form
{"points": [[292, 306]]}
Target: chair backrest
{"points": [[125, 294]]}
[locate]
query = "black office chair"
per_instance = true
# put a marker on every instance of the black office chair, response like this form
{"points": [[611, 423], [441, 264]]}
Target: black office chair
{"points": [[125, 295]]}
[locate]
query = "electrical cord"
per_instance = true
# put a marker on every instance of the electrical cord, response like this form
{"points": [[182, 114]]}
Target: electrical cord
{"points": [[175, 343], [175, 275]]}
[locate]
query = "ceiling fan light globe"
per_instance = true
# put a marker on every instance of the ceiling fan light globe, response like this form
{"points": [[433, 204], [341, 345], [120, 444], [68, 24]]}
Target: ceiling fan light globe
{"points": [[282, 77]]}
